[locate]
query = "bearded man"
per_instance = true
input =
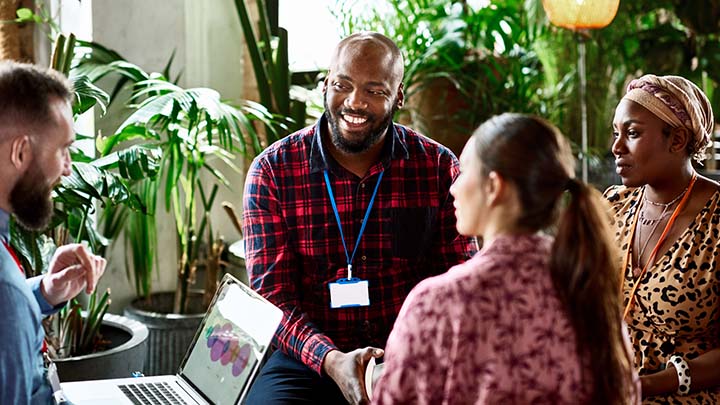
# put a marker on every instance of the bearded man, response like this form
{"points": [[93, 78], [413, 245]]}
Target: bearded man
{"points": [[36, 131], [341, 220]]}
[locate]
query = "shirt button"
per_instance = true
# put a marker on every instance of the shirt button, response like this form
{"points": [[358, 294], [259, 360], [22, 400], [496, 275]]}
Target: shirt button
{"points": [[363, 258], [362, 185]]}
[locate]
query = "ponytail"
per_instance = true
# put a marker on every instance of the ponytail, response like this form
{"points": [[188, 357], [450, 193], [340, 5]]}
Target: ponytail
{"points": [[536, 157], [586, 277]]}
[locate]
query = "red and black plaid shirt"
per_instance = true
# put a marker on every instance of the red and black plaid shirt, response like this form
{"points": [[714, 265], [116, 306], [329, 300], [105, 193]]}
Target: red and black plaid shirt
{"points": [[294, 249]]}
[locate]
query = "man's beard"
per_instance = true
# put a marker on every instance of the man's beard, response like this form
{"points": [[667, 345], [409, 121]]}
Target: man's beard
{"points": [[31, 200], [370, 138]]}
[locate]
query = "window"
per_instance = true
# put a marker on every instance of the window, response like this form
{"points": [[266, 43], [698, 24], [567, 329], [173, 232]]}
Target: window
{"points": [[313, 33]]}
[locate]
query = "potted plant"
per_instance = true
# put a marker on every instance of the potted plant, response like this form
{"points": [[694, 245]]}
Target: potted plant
{"points": [[194, 130], [92, 344]]}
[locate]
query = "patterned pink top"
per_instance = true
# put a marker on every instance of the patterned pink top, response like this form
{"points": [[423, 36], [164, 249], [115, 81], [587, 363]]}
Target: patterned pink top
{"points": [[489, 331]]}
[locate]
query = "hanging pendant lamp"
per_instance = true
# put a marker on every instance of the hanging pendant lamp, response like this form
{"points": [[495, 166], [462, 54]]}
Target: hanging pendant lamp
{"points": [[581, 14]]}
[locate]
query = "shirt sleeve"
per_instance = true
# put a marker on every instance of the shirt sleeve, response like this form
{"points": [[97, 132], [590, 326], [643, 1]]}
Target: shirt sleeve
{"points": [[45, 307], [416, 358], [19, 373], [452, 248], [270, 264]]}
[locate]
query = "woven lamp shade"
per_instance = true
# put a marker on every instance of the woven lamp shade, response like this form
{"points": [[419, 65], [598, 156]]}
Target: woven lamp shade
{"points": [[581, 14]]}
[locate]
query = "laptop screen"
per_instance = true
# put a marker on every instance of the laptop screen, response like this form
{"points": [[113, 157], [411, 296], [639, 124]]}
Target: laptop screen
{"points": [[230, 343]]}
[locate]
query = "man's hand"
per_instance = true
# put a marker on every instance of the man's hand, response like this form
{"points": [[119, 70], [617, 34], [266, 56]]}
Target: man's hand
{"points": [[72, 268], [348, 372]]}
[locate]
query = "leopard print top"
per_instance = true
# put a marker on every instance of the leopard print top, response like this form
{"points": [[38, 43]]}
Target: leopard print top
{"points": [[676, 307]]}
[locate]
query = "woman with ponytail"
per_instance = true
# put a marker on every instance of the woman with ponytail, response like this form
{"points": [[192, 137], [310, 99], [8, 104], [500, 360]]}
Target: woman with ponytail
{"points": [[530, 319]]}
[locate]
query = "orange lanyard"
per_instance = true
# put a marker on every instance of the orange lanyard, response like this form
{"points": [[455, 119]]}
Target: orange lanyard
{"points": [[659, 243]]}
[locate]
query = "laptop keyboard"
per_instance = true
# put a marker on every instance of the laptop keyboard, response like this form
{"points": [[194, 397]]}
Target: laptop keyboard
{"points": [[151, 393]]}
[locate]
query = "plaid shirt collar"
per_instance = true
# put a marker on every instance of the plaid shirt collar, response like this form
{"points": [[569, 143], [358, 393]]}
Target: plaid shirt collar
{"points": [[320, 158]]}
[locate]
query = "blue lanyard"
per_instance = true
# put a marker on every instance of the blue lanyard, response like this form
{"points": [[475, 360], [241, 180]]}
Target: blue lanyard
{"points": [[362, 227]]}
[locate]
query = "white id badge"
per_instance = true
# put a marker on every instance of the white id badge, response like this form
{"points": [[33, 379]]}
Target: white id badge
{"points": [[349, 293]]}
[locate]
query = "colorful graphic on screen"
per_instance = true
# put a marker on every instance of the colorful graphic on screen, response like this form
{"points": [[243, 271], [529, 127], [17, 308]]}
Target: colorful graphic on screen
{"points": [[225, 347]]}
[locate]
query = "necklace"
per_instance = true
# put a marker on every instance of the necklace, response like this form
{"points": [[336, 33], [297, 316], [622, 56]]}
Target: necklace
{"points": [[645, 221], [637, 269], [653, 254], [674, 200]]}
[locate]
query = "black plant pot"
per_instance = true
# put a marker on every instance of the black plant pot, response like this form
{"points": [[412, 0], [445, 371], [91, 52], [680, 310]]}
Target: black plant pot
{"points": [[126, 353], [170, 334]]}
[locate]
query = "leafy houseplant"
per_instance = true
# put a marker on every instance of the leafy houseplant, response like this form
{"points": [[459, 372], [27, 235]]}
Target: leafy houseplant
{"points": [[193, 129], [78, 334], [72, 333]]}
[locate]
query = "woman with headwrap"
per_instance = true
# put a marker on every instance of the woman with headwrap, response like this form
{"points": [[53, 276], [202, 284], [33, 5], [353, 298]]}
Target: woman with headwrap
{"points": [[667, 224]]}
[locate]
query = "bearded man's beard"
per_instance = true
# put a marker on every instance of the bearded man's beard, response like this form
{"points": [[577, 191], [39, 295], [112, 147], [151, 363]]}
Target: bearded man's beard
{"points": [[376, 131], [31, 200]]}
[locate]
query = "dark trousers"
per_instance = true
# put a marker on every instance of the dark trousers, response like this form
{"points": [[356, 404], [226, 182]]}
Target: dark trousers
{"points": [[284, 380]]}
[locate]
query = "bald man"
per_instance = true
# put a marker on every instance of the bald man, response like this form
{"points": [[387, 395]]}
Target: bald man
{"points": [[36, 130], [341, 220]]}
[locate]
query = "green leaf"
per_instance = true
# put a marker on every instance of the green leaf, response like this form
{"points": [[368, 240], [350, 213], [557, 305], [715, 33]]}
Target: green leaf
{"points": [[259, 64], [24, 14], [58, 58], [134, 163], [33, 248], [128, 133], [88, 95]]}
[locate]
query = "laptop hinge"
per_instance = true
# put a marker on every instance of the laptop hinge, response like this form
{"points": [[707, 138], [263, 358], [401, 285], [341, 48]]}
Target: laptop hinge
{"points": [[189, 390]]}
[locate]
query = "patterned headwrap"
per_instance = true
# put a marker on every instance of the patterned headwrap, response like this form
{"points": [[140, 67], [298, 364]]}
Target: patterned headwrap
{"points": [[679, 103]]}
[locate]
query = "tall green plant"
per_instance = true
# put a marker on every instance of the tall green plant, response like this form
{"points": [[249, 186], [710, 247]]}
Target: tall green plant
{"points": [[269, 56], [97, 62], [194, 129]]}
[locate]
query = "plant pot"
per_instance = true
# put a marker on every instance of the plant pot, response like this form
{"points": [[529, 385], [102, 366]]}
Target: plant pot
{"points": [[125, 355], [436, 110], [170, 334]]}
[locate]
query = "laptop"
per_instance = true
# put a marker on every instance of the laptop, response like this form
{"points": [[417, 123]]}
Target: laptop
{"points": [[219, 366]]}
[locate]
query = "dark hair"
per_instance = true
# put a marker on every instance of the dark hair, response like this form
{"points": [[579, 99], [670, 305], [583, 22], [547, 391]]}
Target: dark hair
{"points": [[532, 154], [26, 93]]}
